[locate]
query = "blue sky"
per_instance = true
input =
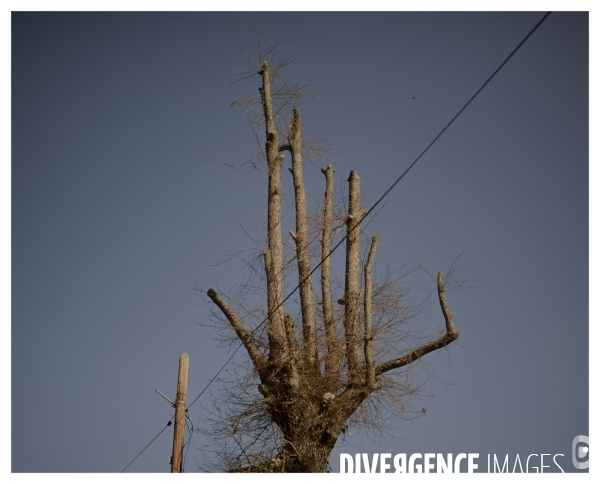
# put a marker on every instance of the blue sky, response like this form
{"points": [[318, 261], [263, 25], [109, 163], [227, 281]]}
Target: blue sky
{"points": [[116, 214]]}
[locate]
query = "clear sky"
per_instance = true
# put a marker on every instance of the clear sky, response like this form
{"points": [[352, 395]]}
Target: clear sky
{"points": [[116, 215]]}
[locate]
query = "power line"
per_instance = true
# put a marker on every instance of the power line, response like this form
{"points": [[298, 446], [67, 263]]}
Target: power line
{"points": [[379, 200], [168, 424], [191, 431], [457, 114]]}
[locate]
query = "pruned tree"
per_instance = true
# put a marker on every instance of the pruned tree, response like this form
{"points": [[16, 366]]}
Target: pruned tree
{"points": [[287, 411]]}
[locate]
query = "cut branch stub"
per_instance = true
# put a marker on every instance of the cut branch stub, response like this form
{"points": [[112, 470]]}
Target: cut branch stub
{"points": [[273, 257], [334, 355], [309, 330], [353, 335], [368, 313]]}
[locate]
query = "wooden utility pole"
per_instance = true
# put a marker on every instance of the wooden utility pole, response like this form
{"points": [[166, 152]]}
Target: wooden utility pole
{"points": [[179, 428]]}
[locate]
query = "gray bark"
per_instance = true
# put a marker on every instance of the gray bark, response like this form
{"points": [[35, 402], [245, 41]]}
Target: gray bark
{"points": [[352, 285], [290, 329], [307, 303], [368, 314], [245, 337], [334, 355], [273, 256]]}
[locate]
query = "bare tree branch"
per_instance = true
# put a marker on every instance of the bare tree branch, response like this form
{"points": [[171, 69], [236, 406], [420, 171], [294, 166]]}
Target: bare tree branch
{"points": [[352, 285], [449, 337], [309, 331], [257, 358], [334, 356], [273, 256], [368, 313]]}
